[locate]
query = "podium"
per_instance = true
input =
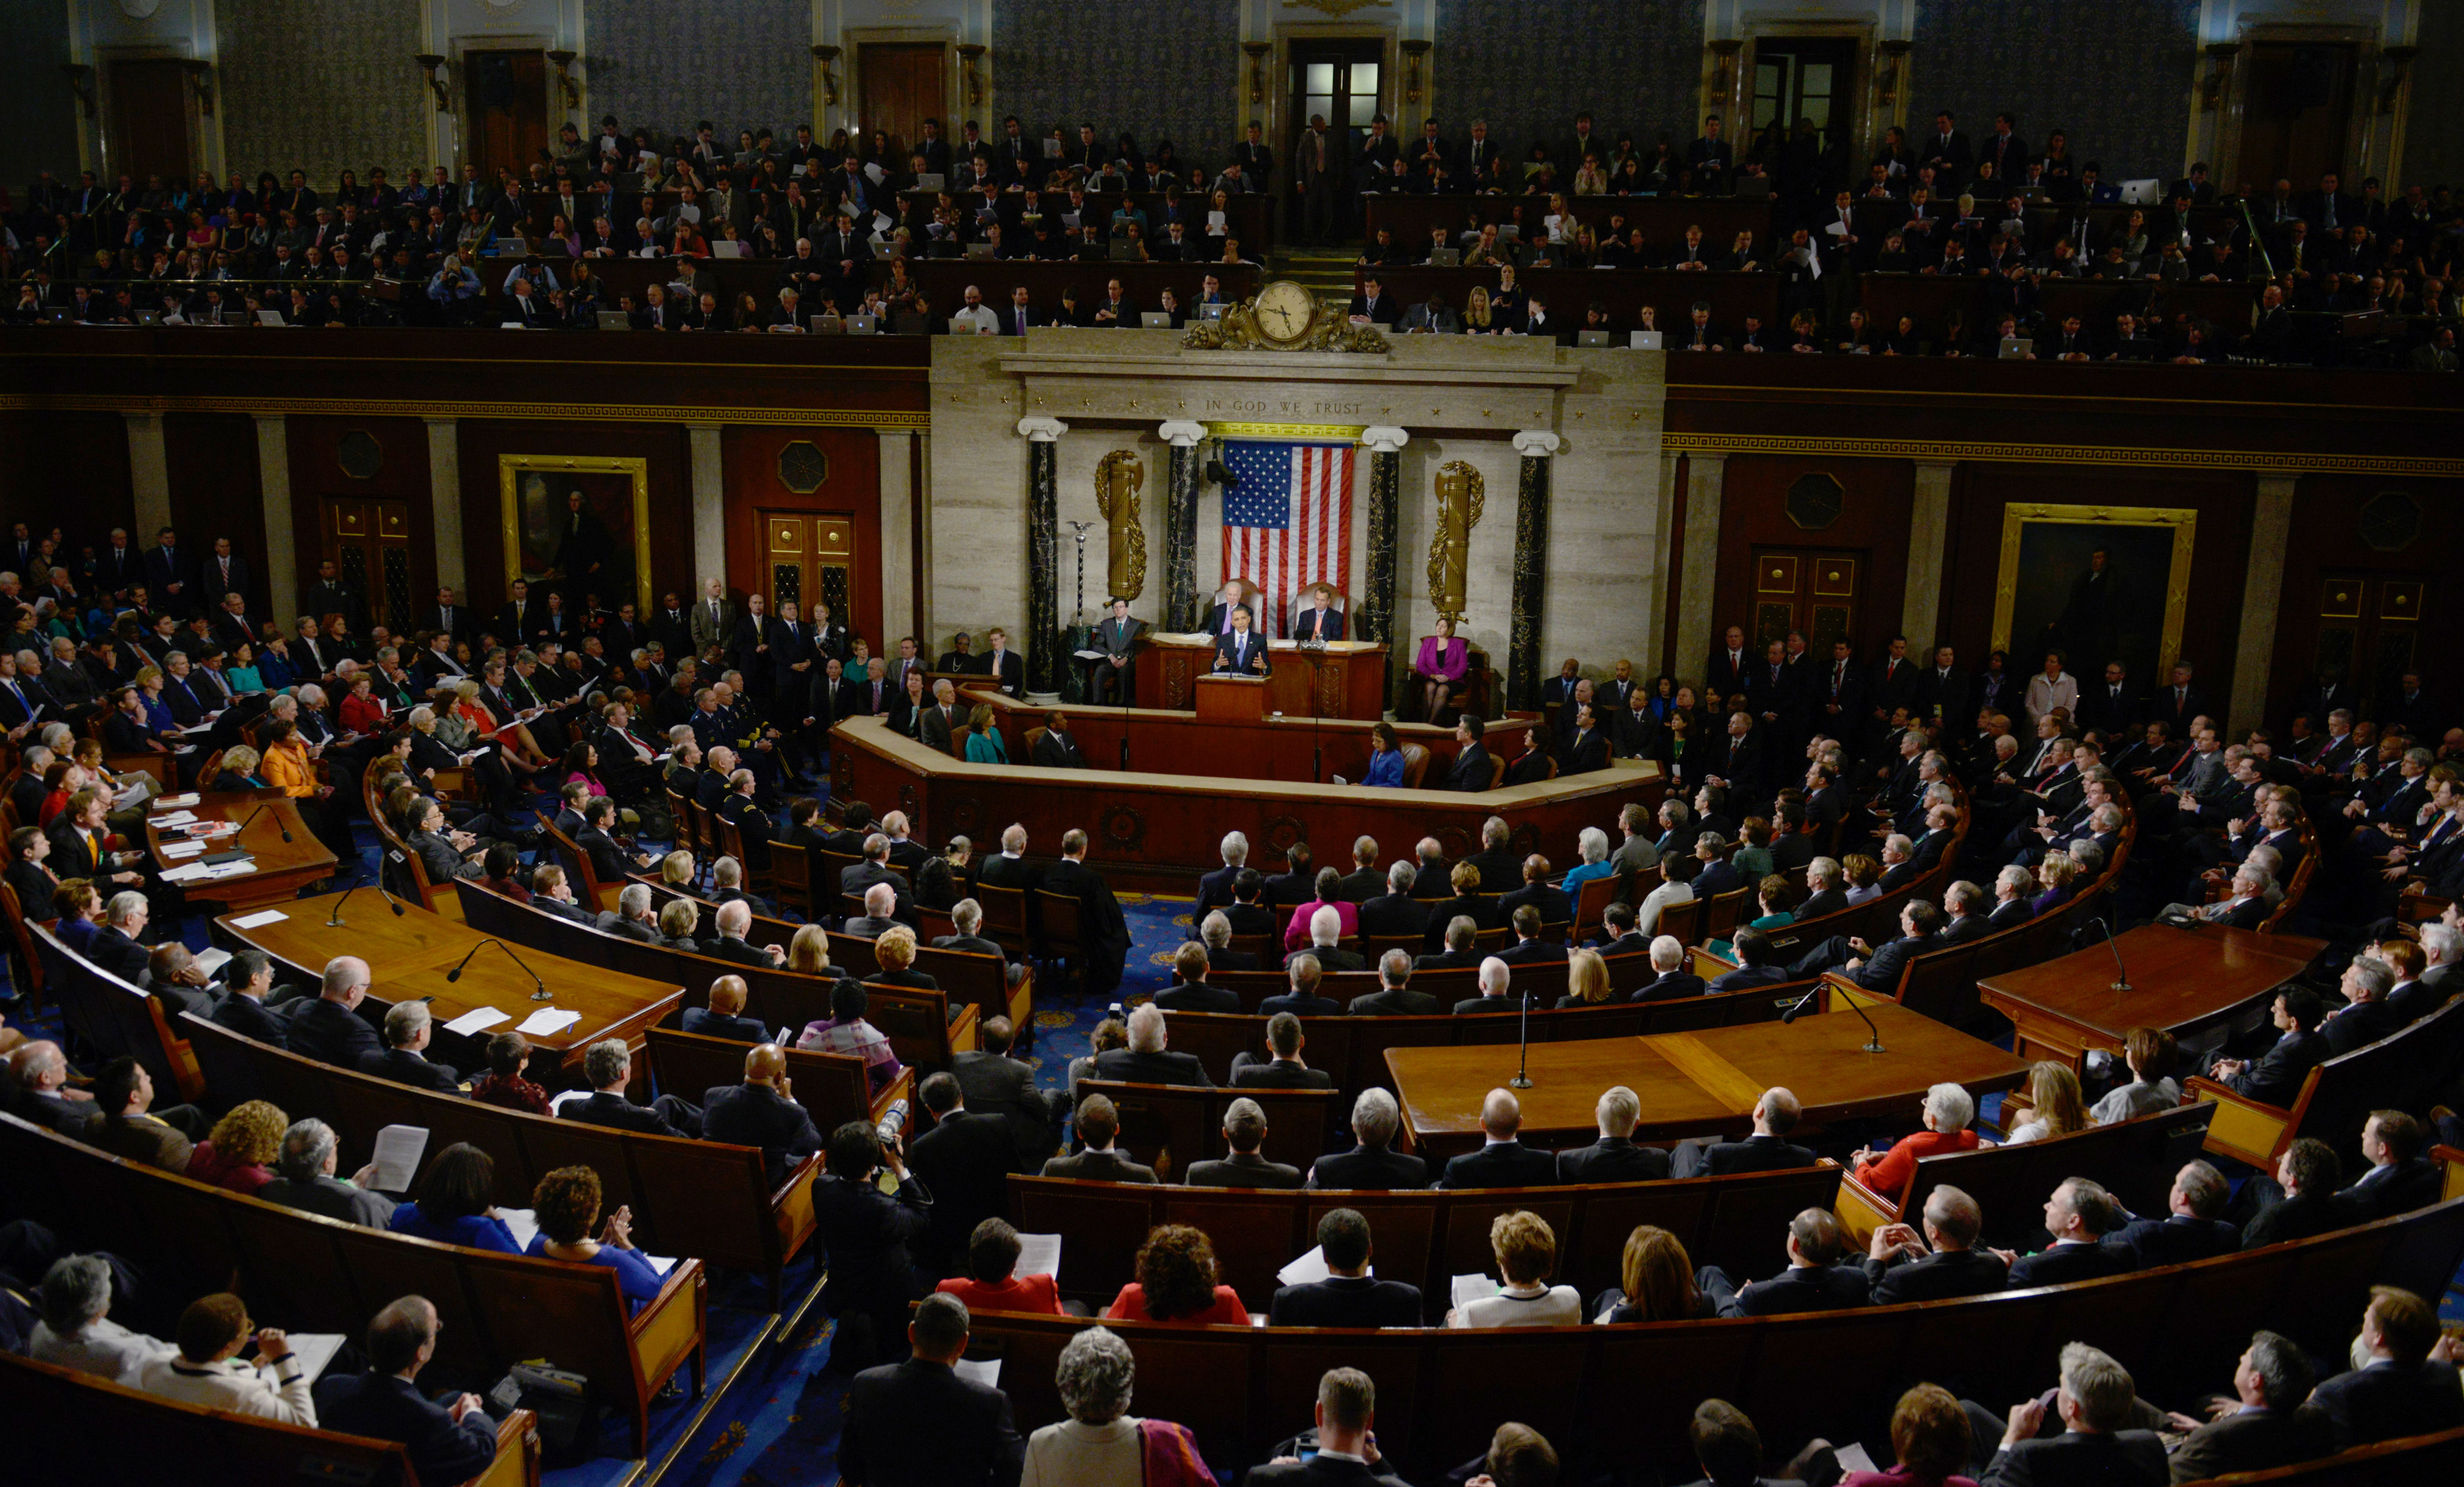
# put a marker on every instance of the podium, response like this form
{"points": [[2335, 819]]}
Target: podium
{"points": [[1341, 679], [1231, 699]]}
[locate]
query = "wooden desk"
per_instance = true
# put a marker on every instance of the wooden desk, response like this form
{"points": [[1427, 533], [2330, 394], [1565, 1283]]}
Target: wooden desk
{"points": [[2185, 981], [1346, 680], [1692, 1084], [1664, 220], [283, 868], [411, 954]]}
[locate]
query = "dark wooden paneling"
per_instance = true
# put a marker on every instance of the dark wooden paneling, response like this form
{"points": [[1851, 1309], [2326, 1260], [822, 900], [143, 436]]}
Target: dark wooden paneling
{"points": [[217, 490], [750, 458], [2219, 561], [401, 473], [68, 471], [2325, 538], [1873, 527], [665, 446]]}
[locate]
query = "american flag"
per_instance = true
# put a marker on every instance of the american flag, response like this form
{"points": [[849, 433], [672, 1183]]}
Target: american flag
{"points": [[1287, 519]]}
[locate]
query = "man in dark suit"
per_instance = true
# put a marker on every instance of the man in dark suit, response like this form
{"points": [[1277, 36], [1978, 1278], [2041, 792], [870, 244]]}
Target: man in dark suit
{"points": [[874, 870], [2262, 1424], [2195, 1228], [1346, 1413], [1529, 947], [1614, 1157], [1765, 1151], [1552, 902], [759, 1112], [1056, 749], [327, 1027], [246, 981], [2399, 1392], [1284, 1068], [2091, 1444], [919, 1422], [1670, 980], [1941, 1263], [1394, 997], [1815, 1280], [1145, 1061], [169, 577], [1753, 951], [1321, 621], [1394, 911], [225, 572], [1119, 637], [724, 1017], [1350, 1297], [407, 1029], [448, 1440], [1244, 1131], [1730, 665], [609, 1067], [2078, 1216], [965, 1160], [1103, 932], [1503, 1161], [1192, 993], [2400, 1179], [632, 918], [1943, 690], [1098, 1123], [1472, 772], [1877, 970], [2366, 1017], [1307, 968], [1372, 1163]]}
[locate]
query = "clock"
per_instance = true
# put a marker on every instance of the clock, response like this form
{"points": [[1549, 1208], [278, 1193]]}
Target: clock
{"points": [[1285, 312]]}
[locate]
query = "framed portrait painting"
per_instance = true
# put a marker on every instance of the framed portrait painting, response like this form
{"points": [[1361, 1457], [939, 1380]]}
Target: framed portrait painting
{"points": [[578, 524], [2099, 583]]}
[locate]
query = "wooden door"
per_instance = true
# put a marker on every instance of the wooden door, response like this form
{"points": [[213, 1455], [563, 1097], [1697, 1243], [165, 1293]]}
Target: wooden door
{"points": [[508, 109], [2369, 633], [149, 120], [369, 542], [808, 558], [2297, 105], [1814, 590], [899, 85]]}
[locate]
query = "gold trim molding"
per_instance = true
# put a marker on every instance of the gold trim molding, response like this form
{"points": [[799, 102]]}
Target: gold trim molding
{"points": [[1351, 432], [543, 412], [2256, 461], [509, 508], [2183, 520]]}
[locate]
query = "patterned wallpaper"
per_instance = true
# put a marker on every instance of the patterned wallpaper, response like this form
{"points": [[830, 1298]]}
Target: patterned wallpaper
{"points": [[1529, 69], [1109, 63], [668, 64], [2434, 147], [294, 95], [2116, 77], [36, 109]]}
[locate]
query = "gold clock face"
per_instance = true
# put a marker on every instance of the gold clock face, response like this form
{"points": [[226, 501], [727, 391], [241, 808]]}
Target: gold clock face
{"points": [[1284, 310]]}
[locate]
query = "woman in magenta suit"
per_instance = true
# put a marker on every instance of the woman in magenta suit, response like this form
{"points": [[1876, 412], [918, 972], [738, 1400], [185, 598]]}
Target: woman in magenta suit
{"points": [[1441, 665]]}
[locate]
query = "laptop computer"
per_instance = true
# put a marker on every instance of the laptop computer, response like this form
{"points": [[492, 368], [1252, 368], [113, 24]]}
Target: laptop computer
{"points": [[1155, 319], [1509, 231], [1591, 337], [270, 318], [1212, 312], [1753, 188], [55, 316], [828, 325], [2137, 348], [2015, 348], [149, 317], [1445, 258], [929, 181], [2146, 191], [862, 325], [979, 250], [1120, 248], [614, 320], [1644, 340], [960, 327]]}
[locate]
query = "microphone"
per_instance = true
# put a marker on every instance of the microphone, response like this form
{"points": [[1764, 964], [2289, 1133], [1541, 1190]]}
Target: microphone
{"points": [[455, 974], [335, 921], [252, 820], [2120, 974], [1873, 1044]]}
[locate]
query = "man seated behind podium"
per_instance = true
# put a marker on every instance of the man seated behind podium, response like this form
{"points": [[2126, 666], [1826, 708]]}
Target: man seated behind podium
{"points": [[1321, 621], [1284, 1068], [1502, 1160], [1240, 651], [1244, 1131]]}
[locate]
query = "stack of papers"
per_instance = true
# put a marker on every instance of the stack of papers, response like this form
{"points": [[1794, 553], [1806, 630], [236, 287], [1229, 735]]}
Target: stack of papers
{"points": [[175, 850], [171, 819], [169, 801], [260, 919], [205, 872], [547, 1023], [479, 1019]]}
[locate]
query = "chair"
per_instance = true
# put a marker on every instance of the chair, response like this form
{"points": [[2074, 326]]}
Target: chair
{"points": [[1416, 765], [1496, 770], [1721, 913], [791, 876], [1682, 919], [731, 841], [1592, 901], [1063, 940], [1299, 603], [30, 977]]}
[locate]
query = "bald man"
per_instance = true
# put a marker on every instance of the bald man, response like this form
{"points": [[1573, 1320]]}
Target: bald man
{"points": [[1503, 1161], [762, 1112]]}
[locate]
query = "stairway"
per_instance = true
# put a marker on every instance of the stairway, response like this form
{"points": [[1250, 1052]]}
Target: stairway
{"points": [[1325, 272]]}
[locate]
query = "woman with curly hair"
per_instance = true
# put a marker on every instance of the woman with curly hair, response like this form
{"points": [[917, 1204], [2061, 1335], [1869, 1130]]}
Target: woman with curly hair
{"points": [[239, 1154], [567, 1201], [1176, 1283]]}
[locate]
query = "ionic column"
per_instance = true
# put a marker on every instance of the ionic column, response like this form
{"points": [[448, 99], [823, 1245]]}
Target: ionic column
{"points": [[1530, 563], [1374, 609], [282, 543], [1928, 557], [2262, 600], [1181, 611], [1698, 562], [444, 505], [149, 480], [706, 444], [1042, 553]]}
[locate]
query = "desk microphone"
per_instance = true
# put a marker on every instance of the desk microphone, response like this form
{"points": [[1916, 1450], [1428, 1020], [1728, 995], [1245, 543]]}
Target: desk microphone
{"points": [[252, 820], [1873, 1044], [335, 921], [540, 994], [2120, 976], [1522, 1079]]}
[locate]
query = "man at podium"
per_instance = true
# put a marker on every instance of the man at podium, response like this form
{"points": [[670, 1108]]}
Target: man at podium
{"points": [[1240, 651]]}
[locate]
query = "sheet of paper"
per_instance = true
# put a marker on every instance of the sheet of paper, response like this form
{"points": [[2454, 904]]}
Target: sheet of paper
{"points": [[558, 1102], [1853, 1458], [176, 850], [1473, 1288], [238, 870], [200, 727], [260, 919], [397, 1154], [187, 873], [547, 1023], [523, 1222], [211, 961], [312, 1350], [983, 1371], [1307, 1270], [662, 1263], [1038, 1255], [170, 818], [479, 1019]]}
